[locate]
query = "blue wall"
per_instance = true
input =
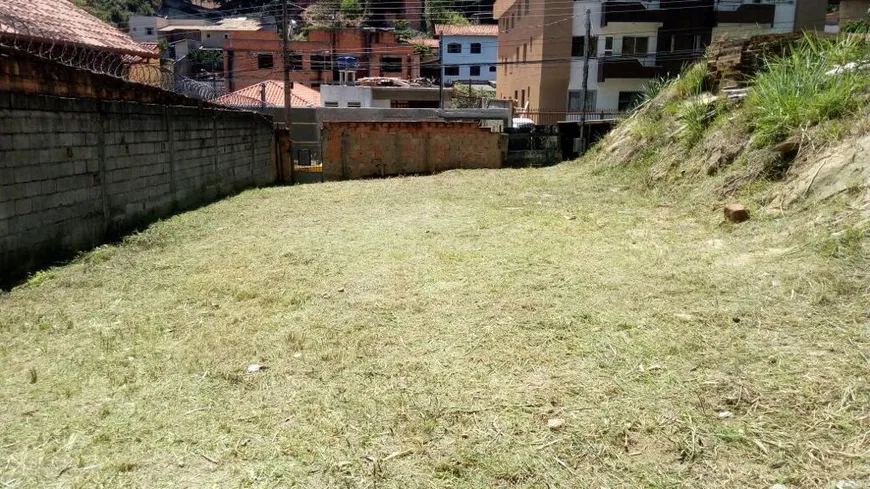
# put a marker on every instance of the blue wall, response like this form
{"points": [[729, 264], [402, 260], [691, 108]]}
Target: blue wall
{"points": [[486, 58]]}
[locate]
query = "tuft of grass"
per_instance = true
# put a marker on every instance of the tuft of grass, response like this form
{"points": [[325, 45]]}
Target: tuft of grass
{"points": [[692, 81], [846, 244], [807, 86], [696, 114]]}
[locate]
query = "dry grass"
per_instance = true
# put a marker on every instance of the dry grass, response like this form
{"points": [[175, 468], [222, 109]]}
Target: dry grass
{"points": [[425, 332]]}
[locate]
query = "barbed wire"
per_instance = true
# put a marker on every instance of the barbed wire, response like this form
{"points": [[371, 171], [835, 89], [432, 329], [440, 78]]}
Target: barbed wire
{"points": [[54, 43]]}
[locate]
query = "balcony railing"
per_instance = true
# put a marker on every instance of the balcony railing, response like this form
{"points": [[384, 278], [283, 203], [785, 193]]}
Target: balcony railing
{"points": [[548, 118], [617, 11], [745, 13]]}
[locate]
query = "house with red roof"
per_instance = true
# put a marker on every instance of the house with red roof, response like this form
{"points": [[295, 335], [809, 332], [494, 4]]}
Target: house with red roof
{"points": [[61, 26]]}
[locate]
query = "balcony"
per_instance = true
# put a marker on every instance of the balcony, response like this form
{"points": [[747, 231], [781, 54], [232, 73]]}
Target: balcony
{"points": [[747, 13], [626, 68], [618, 11]]}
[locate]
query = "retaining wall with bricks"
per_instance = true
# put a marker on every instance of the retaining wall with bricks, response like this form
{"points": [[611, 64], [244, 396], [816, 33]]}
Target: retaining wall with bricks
{"points": [[368, 149], [76, 172]]}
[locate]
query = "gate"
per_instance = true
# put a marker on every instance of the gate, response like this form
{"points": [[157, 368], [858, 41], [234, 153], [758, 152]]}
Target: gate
{"points": [[306, 165]]}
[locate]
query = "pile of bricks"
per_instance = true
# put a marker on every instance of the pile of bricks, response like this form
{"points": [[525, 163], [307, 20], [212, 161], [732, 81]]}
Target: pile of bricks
{"points": [[733, 63]]}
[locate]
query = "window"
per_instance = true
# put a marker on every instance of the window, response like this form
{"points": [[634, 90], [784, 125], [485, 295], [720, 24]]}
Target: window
{"points": [[629, 100], [492, 69], [635, 46], [226, 36], [354, 104], [697, 43], [527, 6], [451, 71], [454, 48], [525, 52], [265, 61], [578, 46], [208, 36], [320, 62], [523, 98], [474, 71], [475, 48], [391, 64], [574, 100], [149, 31], [608, 46], [516, 95], [295, 62], [330, 104]]}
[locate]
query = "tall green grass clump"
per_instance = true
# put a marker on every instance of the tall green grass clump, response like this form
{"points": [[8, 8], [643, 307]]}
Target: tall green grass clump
{"points": [[813, 83], [691, 81]]}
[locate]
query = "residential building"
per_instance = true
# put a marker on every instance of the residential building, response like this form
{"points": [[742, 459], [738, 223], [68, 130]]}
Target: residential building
{"points": [[254, 56], [470, 52], [207, 34], [269, 94], [631, 43], [387, 93]]}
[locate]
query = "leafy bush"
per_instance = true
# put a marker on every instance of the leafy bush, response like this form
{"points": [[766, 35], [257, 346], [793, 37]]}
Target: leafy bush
{"points": [[652, 89], [813, 83]]}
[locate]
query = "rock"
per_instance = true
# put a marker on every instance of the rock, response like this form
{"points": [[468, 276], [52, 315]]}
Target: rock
{"points": [[789, 146], [725, 415], [778, 486], [252, 368], [736, 213], [846, 485], [555, 423]]}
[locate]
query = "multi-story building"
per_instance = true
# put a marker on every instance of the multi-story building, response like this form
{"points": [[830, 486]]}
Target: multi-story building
{"points": [[631, 43], [251, 57], [470, 52]]}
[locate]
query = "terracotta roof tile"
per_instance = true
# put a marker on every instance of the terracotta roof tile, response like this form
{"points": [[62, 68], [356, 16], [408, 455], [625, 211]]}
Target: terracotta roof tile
{"points": [[467, 30], [250, 96], [62, 22]]}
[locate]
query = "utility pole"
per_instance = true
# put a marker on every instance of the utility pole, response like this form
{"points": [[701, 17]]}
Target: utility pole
{"points": [[441, 71], [585, 87], [285, 48]]}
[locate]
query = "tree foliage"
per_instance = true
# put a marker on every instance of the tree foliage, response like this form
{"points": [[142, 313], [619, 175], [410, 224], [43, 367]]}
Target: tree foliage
{"points": [[335, 13], [118, 11]]}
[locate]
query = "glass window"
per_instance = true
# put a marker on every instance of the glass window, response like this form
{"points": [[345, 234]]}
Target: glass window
{"points": [[320, 62], [265, 61], [608, 46], [451, 71], [454, 48], [149, 31], [492, 69], [635, 45], [578, 45], [475, 48], [474, 71], [574, 99], [629, 100], [391, 64]]}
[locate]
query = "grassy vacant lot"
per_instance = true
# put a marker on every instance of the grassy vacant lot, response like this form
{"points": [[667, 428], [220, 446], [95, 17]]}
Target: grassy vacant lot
{"points": [[557, 327]]}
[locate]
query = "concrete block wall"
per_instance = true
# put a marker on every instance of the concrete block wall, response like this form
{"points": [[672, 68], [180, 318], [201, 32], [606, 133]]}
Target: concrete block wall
{"points": [[76, 172], [366, 149]]}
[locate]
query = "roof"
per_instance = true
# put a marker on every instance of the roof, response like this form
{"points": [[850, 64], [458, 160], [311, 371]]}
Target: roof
{"points": [[64, 23], [228, 24], [467, 30], [250, 96]]}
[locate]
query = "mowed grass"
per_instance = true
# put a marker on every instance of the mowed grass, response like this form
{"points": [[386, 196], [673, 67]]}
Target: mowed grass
{"points": [[556, 327]]}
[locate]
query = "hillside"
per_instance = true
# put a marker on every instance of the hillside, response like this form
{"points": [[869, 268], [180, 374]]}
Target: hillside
{"points": [[794, 138]]}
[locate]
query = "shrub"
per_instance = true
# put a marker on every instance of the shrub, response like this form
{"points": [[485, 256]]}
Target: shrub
{"points": [[811, 84]]}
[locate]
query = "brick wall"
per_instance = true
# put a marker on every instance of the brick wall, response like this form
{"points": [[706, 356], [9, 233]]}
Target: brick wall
{"points": [[75, 172], [365, 149]]}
